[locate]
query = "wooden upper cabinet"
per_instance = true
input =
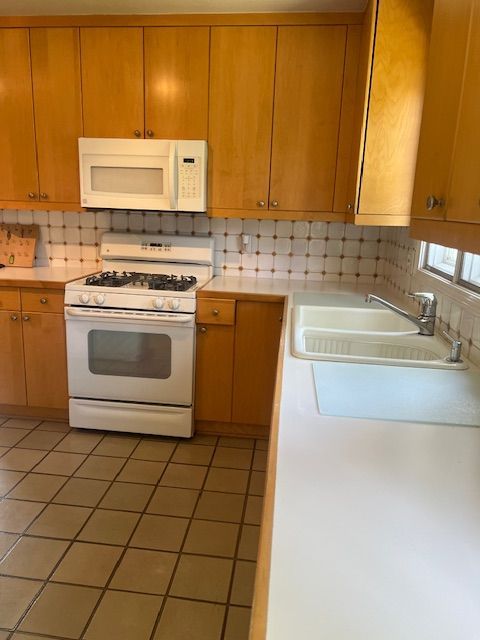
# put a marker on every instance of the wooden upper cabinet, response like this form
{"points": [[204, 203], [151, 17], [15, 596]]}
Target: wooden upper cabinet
{"points": [[448, 163], [176, 82], [448, 44], [463, 203], [308, 96], [18, 165], [112, 82], [242, 67], [58, 111], [391, 85]]}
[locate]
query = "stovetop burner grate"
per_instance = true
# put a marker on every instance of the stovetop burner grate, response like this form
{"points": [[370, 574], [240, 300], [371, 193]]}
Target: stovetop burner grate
{"points": [[159, 282]]}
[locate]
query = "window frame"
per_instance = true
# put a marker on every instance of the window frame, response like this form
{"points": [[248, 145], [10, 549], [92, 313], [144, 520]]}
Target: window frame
{"points": [[456, 278]]}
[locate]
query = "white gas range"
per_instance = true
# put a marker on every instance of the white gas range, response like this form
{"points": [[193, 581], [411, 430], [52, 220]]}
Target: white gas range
{"points": [[131, 334]]}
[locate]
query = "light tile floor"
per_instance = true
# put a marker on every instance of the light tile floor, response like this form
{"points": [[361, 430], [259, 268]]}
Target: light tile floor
{"points": [[126, 537]]}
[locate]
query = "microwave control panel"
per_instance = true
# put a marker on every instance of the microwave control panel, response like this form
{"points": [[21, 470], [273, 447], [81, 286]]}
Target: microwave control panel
{"points": [[189, 175]]}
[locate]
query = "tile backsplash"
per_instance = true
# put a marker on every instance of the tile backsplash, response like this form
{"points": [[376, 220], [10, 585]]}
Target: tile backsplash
{"points": [[299, 250], [321, 251]]}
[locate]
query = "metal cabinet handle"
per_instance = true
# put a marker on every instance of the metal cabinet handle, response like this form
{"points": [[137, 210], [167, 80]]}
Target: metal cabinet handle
{"points": [[44, 196], [150, 133], [203, 329], [32, 195], [26, 318], [215, 312], [274, 203], [433, 202], [349, 206], [260, 203], [13, 317], [43, 300], [137, 133]]}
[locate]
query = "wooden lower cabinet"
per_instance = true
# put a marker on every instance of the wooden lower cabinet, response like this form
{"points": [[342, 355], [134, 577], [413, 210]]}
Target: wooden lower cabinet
{"points": [[33, 372], [236, 362], [214, 372], [12, 369], [45, 360], [257, 337]]}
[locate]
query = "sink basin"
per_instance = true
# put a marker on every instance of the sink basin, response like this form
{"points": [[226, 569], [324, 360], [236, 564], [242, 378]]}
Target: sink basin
{"points": [[363, 320], [366, 336]]}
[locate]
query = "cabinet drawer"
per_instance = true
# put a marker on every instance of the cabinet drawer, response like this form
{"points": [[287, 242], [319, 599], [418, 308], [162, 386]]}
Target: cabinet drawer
{"points": [[211, 311], [9, 298], [47, 300]]}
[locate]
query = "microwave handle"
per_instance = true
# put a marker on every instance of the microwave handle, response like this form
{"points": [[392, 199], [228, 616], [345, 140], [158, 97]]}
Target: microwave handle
{"points": [[172, 175]]}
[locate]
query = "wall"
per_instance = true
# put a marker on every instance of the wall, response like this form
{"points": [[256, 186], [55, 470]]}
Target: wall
{"points": [[458, 309], [277, 249]]}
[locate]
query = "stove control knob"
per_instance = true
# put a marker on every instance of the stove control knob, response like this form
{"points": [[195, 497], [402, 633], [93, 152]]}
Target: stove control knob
{"points": [[174, 304], [158, 303], [84, 298], [99, 298]]}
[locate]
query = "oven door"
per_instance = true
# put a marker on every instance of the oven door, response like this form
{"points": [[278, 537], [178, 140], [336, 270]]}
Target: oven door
{"points": [[130, 356]]}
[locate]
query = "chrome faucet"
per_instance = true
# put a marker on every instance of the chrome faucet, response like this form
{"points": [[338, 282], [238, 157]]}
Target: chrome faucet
{"points": [[425, 321]]}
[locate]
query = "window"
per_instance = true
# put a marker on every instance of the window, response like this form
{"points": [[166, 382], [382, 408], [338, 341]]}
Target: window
{"points": [[458, 267]]}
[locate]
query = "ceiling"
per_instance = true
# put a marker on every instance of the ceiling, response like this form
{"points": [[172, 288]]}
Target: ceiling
{"points": [[130, 7]]}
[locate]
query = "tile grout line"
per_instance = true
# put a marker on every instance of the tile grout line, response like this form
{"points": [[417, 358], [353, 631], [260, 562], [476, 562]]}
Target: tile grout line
{"points": [[179, 552], [155, 486], [126, 545]]}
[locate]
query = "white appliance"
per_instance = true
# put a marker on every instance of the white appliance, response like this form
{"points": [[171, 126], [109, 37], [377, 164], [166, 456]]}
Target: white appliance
{"points": [[160, 175], [131, 334]]}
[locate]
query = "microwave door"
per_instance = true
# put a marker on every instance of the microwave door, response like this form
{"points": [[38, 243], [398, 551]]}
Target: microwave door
{"points": [[128, 182]]}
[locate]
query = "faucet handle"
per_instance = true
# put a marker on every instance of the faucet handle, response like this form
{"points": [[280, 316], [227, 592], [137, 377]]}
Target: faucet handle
{"points": [[456, 348], [427, 300]]}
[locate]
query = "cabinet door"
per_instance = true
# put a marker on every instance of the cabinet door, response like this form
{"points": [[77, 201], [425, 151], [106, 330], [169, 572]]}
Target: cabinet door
{"points": [[463, 204], [176, 82], [214, 372], [308, 98], [12, 371], [45, 360], [394, 112], [112, 82], [242, 66], [257, 337], [442, 97], [18, 165], [58, 111]]}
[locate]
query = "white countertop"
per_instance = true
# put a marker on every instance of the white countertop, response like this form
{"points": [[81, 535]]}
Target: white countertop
{"points": [[43, 275], [376, 528]]}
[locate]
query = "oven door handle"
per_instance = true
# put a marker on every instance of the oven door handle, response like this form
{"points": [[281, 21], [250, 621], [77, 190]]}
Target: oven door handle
{"points": [[137, 317]]}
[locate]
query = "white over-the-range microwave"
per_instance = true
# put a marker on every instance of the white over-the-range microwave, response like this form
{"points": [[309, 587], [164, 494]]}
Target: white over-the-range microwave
{"points": [[158, 175]]}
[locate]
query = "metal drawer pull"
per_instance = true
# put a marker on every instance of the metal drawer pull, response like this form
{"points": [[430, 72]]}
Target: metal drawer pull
{"points": [[203, 329], [215, 312], [32, 195], [26, 318], [43, 300], [137, 133], [13, 317], [149, 133], [44, 196]]}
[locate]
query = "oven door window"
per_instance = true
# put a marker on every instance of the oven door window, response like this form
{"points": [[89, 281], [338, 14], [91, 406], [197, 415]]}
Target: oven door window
{"points": [[129, 354]]}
